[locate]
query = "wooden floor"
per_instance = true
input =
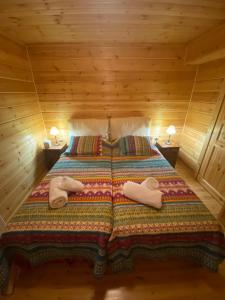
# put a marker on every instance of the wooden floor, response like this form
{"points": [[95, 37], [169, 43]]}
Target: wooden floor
{"points": [[152, 280]]}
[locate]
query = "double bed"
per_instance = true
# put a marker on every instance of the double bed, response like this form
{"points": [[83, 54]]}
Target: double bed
{"points": [[102, 225]]}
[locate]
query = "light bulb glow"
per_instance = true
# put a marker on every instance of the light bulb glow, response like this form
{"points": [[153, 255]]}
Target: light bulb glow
{"points": [[54, 131], [171, 130]]}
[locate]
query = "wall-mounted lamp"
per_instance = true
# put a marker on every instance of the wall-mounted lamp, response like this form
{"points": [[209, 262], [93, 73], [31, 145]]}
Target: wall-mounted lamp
{"points": [[171, 130], [54, 131]]}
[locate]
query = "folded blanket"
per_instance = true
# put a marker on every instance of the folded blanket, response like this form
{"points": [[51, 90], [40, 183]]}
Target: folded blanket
{"points": [[71, 185], [142, 194], [57, 196], [151, 183]]}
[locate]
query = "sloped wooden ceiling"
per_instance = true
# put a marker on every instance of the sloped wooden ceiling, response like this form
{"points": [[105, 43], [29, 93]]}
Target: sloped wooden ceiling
{"points": [[111, 57], [161, 21]]}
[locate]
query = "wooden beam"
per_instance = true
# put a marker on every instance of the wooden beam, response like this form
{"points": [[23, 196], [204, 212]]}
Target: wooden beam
{"points": [[207, 47]]}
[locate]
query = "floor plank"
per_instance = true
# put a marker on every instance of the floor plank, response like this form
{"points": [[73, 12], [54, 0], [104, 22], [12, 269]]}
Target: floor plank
{"points": [[152, 280]]}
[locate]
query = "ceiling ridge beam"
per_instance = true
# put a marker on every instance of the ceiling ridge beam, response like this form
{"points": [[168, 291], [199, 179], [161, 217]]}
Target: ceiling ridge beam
{"points": [[207, 47]]}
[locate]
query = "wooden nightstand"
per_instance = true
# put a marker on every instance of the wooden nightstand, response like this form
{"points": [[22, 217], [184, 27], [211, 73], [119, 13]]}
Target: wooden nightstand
{"points": [[53, 153], [170, 152]]}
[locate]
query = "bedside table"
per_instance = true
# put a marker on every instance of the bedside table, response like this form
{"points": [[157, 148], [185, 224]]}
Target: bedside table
{"points": [[170, 152], [53, 153]]}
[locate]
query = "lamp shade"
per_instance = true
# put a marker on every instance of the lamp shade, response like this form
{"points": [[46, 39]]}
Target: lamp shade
{"points": [[171, 130], [54, 131]]}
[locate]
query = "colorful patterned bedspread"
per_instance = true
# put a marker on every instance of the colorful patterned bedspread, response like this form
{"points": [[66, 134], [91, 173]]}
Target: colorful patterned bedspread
{"points": [[101, 224], [183, 227], [81, 228]]}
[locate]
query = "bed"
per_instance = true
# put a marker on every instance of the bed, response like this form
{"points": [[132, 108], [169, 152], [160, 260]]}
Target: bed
{"points": [[183, 227], [82, 228]]}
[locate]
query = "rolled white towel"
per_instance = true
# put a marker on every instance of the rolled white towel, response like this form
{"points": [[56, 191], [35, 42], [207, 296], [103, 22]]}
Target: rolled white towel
{"points": [[151, 183], [57, 197], [71, 185], [142, 194]]}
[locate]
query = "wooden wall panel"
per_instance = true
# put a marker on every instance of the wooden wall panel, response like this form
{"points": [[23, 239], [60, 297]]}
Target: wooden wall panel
{"points": [[112, 79], [21, 128], [209, 82]]}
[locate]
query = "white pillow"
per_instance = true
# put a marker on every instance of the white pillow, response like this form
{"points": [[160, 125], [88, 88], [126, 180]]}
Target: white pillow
{"points": [[92, 127], [120, 127]]}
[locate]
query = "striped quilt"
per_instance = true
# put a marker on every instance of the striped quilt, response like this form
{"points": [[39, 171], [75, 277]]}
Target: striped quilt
{"points": [[81, 228], [183, 227]]}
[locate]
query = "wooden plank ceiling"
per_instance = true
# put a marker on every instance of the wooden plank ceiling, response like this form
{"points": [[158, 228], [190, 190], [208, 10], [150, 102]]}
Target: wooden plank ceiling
{"points": [[111, 57], [160, 21]]}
